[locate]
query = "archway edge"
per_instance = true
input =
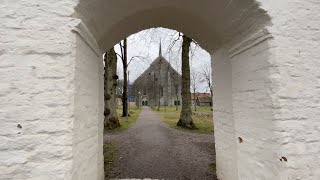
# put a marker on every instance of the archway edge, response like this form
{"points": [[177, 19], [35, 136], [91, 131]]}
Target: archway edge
{"points": [[211, 24], [215, 25], [46, 69]]}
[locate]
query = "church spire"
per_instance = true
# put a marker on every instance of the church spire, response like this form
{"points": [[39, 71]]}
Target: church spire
{"points": [[160, 49]]}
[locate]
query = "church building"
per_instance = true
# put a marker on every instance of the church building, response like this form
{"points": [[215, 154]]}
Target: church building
{"points": [[160, 84]]}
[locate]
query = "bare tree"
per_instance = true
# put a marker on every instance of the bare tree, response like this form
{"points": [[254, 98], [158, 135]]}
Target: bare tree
{"points": [[124, 57], [111, 120], [173, 38], [119, 89], [185, 115], [120, 86], [159, 87], [126, 63], [194, 87], [206, 77]]}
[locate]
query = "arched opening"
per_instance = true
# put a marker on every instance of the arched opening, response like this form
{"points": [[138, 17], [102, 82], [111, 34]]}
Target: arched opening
{"points": [[265, 63], [232, 31], [157, 79]]}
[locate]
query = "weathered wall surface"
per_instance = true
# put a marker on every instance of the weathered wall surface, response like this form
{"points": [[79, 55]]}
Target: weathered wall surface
{"points": [[275, 97], [252, 109], [88, 109], [51, 86], [267, 93], [224, 131], [37, 52], [295, 87]]}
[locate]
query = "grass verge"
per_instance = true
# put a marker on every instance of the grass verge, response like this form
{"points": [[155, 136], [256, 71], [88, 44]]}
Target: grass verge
{"points": [[212, 168], [170, 115], [134, 114], [110, 153]]}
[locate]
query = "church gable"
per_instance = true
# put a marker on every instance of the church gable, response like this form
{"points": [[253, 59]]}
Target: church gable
{"points": [[159, 83]]}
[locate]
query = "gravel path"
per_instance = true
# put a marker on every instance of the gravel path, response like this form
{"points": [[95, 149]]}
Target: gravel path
{"points": [[150, 149]]}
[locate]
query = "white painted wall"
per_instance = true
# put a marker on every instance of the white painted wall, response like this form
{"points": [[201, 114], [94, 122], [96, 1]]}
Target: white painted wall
{"points": [[36, 90], [252, 113], [266, 90], [224, 130], [294, 89], [88, 112]]}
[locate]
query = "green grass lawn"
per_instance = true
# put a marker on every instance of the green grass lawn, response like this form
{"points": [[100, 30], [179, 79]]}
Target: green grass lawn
{"points": [[134, 112], [202, 109], [212, 168], [170, 115], [110, 154]]}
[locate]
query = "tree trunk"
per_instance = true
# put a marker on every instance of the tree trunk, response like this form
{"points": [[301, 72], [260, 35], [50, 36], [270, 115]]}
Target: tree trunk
{"points": [[125, 80], [195, 101], [185, 115], [176, 97], [159, 99], [177, 103], [159, 103], [111, 120], [210, 86]]}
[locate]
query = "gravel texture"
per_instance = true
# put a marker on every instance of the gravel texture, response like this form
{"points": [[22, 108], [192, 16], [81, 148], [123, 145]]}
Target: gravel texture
{"points": [[151, 149]]}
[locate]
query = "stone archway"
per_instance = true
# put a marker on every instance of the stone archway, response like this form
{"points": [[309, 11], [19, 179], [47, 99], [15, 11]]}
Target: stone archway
{"points": [[54, 113]]}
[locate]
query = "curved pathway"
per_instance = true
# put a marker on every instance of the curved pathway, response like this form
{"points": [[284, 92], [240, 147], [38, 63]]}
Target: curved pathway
{"points": [[151, 149]]}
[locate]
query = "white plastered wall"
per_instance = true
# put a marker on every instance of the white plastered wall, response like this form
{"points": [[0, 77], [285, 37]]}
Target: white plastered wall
{"points": [[224, 129], [37, 69], [51, 92], [243, 111], [267, 93], [88, 112], [252, 108], [294, 78]]}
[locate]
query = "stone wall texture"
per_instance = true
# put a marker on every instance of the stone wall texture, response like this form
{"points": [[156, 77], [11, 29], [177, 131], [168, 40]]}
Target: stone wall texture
{"points": [[37, 64], [266, 82], [294, 88]]}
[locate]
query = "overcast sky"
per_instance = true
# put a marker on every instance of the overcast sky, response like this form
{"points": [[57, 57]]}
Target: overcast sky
{"points": [[145, 44]]}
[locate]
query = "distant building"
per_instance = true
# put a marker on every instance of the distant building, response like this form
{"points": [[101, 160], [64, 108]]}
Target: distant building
{"points": [[160, 83], [131, 97], [204, 101], [201, 99]]}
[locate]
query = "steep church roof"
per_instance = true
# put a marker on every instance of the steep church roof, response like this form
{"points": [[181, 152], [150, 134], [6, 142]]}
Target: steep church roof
{"points": [[159, 60]]}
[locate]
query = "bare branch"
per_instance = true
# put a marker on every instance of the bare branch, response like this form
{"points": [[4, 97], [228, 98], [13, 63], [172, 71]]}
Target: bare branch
{"points": [[206, 76], [122, 53], [174, 42], [136, 57], [119, 56]]}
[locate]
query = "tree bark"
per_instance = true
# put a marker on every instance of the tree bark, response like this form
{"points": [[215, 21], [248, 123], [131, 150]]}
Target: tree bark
{"points": [[159, 87], [125, 80], [159, 99], [111, 120], [211, 93], [185, 120], [195, 101]]}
